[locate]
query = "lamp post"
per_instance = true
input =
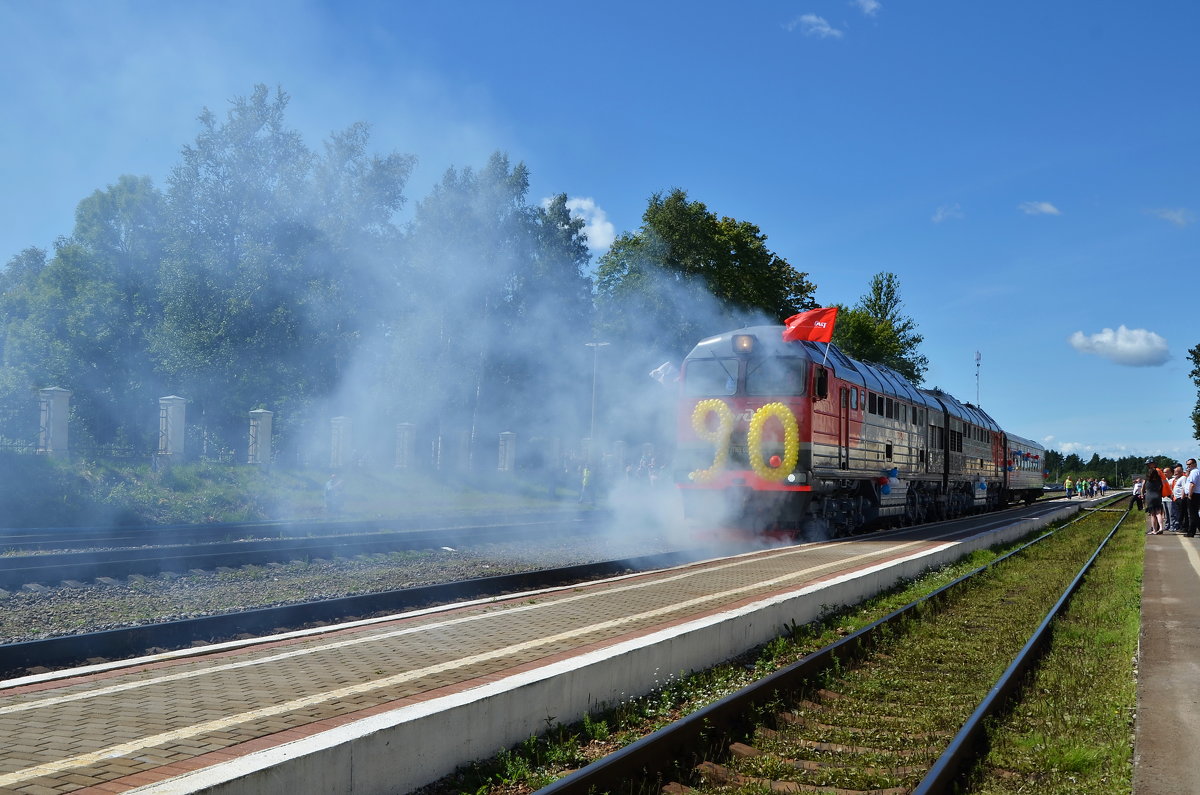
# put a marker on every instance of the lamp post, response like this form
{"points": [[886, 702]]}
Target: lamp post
{"points": [[595, 346]]}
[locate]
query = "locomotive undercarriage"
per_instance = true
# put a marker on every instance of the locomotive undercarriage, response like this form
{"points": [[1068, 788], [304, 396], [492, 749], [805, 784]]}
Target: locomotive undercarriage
{"points": [[840, 507], [846, 506]]}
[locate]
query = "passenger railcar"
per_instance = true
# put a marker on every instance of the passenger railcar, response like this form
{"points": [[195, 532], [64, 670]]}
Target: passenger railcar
{"points": [[799, 437]]}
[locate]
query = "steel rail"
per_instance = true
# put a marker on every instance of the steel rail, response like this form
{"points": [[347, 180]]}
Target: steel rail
{"points": [[652, 756], [52, 568], [35, 538], [967, 744]]}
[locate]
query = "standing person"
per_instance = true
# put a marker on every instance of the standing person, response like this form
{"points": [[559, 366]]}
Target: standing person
{"points": [[1153, 494], [1171, 520], [1139, 488], [1178, 486], [1069, 485], [1191, 492], [585, 483]]}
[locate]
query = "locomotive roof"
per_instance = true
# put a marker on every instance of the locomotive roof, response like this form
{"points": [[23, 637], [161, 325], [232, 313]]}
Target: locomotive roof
{"points": [[1021, 443], [964, 411], [875, 377]]}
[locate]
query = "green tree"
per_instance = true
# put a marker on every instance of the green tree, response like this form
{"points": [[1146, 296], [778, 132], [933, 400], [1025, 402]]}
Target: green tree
{"points": [[1194, 374], [499, 292], [688, 272], [874, 330], [118, 239], [277, 263], [80, 319]]}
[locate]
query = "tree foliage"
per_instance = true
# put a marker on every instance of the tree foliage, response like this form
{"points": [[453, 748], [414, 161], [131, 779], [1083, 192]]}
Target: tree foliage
{"points": [[1194, 374], [688, 273], [874, 330], [1116, 471], [272, 275]]}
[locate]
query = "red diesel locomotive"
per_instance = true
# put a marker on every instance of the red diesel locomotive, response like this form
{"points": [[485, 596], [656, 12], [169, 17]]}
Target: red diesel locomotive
{"points": [[798, 437]]}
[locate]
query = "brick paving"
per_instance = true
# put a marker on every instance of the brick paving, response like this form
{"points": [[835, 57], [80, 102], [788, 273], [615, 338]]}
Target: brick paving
{"points": [[147, 722]]}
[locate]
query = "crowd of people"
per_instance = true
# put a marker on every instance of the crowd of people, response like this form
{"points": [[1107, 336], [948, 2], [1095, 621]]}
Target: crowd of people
{"points": [[1085, 487], [1170, 496]]}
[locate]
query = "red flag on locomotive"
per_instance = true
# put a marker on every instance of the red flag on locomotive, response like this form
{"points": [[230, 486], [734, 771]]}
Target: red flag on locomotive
{"points": [[815, 325]]}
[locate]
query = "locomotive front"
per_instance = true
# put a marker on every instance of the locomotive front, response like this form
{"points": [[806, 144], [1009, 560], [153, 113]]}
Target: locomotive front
{"points": [[744, 450]]}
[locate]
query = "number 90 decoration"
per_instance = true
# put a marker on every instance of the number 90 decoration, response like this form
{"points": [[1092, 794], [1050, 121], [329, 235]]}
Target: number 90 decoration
{"points": [[791, 441], [721, 435]]}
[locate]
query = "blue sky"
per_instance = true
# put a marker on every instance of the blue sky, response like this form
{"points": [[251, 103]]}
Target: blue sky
{"points": [[1030, 170]]}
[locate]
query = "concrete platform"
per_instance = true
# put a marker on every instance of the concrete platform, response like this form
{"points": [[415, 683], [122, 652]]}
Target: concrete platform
{"points": [[1168, 713], [386, 705]]}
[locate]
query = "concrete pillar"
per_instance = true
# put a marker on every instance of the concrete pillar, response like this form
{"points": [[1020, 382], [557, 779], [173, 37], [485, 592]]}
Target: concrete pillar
{"points": [[508, 452], [52, 430], [172, 419], [260, 437], [339, 447], [406, 445]]}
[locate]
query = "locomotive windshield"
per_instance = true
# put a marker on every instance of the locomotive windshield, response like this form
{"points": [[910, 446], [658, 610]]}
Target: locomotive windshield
{"points": [[776, 376], [710, 377]]}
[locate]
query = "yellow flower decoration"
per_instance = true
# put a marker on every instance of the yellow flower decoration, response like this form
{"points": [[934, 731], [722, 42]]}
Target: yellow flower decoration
{"points": [[719, 437], [791, 441]]}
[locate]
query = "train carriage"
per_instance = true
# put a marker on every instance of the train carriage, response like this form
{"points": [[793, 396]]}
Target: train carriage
{"points": [[797, 436]]}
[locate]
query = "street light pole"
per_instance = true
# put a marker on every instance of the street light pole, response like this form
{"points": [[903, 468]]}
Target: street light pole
{"points": [[595, 346]]}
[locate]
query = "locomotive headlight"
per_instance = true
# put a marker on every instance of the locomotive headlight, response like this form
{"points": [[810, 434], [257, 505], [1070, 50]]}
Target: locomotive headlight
{"points": [[744, 343]]}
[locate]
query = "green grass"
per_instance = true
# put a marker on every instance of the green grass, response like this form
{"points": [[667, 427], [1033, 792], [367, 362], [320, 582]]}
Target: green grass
{"points": [[1073, 731]]}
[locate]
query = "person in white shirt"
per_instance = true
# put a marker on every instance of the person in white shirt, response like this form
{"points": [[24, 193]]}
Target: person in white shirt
{"points": [[1191, 495], [1178, 508]]}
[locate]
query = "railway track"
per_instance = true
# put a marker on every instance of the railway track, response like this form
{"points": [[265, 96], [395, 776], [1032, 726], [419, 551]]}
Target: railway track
{"points": [[898, 707], [207, 548], [43, 539]]}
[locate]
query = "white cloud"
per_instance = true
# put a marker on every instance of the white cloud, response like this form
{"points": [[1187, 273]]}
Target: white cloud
{"points": [[814, 25], [600, 231], [1179, 216], [1038, 208], [948, 211], [868, 7], [1129, 347]]}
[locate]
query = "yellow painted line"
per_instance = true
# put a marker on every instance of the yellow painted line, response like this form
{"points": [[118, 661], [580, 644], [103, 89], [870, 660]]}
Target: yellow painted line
{"points": [[135, 746]]}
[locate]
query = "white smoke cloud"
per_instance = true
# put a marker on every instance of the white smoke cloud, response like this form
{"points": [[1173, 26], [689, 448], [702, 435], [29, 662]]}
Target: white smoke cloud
{"points": [[1125, 346], [1038, 208], [600, 231]]}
